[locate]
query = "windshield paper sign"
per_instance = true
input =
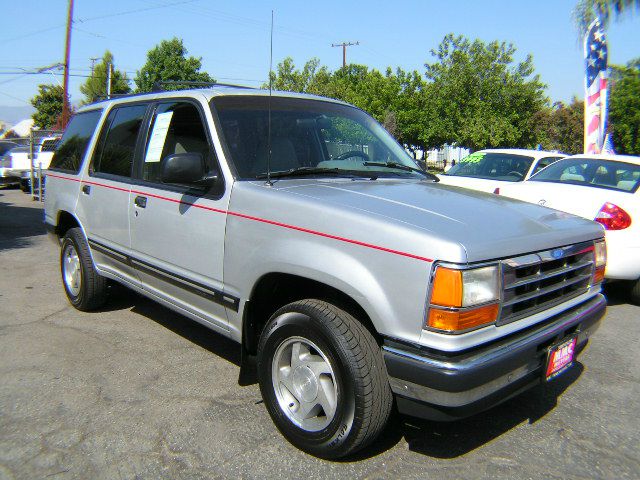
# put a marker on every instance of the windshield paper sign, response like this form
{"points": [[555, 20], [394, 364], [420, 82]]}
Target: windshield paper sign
{"points": [[473, 158]]}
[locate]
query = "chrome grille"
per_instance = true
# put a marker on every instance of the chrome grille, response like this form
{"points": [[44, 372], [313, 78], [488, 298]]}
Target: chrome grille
{"points": [[538, 281]]}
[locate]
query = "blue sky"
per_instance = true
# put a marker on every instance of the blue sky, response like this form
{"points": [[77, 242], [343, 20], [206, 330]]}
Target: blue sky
{"points": [[232, 37]]}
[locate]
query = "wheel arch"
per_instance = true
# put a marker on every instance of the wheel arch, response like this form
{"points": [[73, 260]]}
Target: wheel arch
{"points": [[276, 289], [64, 222]]}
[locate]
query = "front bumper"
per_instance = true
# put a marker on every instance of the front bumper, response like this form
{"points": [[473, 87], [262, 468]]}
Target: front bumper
{"points": [[444, 386]]}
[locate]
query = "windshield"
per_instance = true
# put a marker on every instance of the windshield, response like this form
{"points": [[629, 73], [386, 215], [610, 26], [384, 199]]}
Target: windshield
{"points": [[312, 137], [495, 166], [599, 173]]}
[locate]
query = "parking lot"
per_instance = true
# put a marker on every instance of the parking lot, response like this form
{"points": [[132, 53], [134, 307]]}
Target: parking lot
{"points": [[136, 391]]}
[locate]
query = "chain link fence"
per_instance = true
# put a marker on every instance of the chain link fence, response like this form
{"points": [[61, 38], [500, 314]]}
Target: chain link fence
{"points": [[42, 144]]}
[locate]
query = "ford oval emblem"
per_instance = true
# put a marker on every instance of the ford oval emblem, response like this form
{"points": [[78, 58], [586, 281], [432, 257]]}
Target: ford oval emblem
{"points": [[557, 253]]}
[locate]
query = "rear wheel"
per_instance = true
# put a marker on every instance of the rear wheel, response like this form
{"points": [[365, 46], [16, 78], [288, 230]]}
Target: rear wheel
{"points": [[85, 288], [323, 379]]}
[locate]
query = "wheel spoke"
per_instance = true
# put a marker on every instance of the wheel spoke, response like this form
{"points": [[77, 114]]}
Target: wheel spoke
{"points": [[284, 374], [327, 397], [318, 366]]}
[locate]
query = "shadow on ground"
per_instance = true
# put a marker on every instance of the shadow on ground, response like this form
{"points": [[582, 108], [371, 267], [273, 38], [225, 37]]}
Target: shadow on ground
{"points": [[18, 225], [617, 293], [434, 439], [447, 440]]}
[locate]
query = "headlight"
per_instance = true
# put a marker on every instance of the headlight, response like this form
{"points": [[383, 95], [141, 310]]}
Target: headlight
{"points": [[464, 299]]}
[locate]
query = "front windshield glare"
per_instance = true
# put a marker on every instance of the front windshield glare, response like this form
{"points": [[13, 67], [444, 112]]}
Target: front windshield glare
{"points": [[494, 166], [313, 136]]}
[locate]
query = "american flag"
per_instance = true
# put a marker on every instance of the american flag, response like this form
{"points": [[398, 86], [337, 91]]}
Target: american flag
{"points": [[595, 102]]}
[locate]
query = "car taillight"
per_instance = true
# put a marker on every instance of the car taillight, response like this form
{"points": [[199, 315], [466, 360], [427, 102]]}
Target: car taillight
{"points": [[497, 191], [613, 217]]}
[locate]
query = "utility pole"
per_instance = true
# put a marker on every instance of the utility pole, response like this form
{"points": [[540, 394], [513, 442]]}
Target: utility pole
{"points": [[93, 64], [344, 46], [67, 52]]}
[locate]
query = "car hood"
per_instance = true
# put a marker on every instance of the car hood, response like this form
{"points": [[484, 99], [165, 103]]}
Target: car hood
{"points": [[486, 226], [481, 184]]}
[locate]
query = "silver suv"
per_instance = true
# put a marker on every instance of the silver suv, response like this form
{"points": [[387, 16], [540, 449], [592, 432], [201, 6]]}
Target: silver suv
{"points": [[298, 227]]}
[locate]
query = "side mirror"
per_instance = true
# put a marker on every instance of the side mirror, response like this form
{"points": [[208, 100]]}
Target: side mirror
{"points": [[186, 168]]}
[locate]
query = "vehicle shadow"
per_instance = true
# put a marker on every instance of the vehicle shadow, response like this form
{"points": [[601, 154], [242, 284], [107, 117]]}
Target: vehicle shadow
{"points": [[617, 293], [447, 440], [18, 225], [123, 298]]}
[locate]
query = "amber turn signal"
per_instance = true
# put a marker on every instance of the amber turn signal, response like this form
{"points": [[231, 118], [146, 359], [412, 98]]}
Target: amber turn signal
{"points": [[450, 320], [447, 288]]}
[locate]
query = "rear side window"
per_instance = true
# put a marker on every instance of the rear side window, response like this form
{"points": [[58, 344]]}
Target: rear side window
{"points": [[117, 144], [73, 145]]}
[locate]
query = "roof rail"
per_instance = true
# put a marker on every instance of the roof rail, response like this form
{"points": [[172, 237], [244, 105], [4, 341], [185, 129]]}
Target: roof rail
{"points": [[157, 86]]}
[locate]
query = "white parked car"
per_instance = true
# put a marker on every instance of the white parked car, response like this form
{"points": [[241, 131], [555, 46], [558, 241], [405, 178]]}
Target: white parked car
{"points": [[487, 170], [604, 188]]}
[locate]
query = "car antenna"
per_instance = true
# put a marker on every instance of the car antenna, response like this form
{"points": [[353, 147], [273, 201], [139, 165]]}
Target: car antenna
{"points": [[269, 183]]}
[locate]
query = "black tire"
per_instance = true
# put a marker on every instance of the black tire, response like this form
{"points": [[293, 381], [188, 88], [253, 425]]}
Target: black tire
{"points": [[634, 294], [364, 398], [92, 289]]}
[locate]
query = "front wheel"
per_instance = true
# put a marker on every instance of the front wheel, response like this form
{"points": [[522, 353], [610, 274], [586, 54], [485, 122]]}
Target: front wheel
{"points": [[323, 379]]}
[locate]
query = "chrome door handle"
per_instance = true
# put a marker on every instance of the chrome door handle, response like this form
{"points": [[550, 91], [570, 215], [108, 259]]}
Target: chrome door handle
{"points": [[141, 202]]}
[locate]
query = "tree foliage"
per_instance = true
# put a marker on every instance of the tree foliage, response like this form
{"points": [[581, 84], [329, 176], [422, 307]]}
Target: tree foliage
{"points": [[48, 104], [561, 127], [168, 61], [479, 98], [95, 86], [586, 11], [624, 108]]}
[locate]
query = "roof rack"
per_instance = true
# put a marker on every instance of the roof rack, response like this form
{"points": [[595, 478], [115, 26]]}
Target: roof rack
{"points": [[157, 86]]}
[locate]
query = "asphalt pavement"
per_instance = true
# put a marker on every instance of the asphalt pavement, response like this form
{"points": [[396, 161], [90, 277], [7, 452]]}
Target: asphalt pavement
{"points": [[137, 391]]}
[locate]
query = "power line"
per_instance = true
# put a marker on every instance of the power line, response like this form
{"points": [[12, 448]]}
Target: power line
{"points": [[98, 17]]}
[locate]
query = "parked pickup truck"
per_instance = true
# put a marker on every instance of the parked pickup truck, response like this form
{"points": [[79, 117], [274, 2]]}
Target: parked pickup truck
{"points": [[297, 226]]}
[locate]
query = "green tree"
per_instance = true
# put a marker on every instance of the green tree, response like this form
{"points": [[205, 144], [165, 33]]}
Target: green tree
{"points": [[586, 10], [561, 127], [624, 108], [478, 98], [168, 61], [48, 104], [96, 86]]}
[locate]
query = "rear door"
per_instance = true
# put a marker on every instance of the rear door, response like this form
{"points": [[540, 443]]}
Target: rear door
{"points": [[103, 204], [177, 231]]}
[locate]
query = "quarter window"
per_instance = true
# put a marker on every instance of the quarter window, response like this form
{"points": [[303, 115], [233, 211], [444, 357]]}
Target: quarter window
{"points": [[176, 127], [73, 145], [117, 144]]}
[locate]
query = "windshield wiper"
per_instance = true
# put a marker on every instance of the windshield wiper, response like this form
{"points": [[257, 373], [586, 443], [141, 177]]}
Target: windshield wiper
{"points": [[401, 166], [301, 171]]}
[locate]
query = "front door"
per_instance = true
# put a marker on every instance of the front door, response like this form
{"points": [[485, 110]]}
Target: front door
{"points": [[177, 231]]}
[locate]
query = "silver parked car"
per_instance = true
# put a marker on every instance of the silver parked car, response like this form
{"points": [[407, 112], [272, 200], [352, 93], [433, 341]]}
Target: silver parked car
{"points": [[297, 226]]}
